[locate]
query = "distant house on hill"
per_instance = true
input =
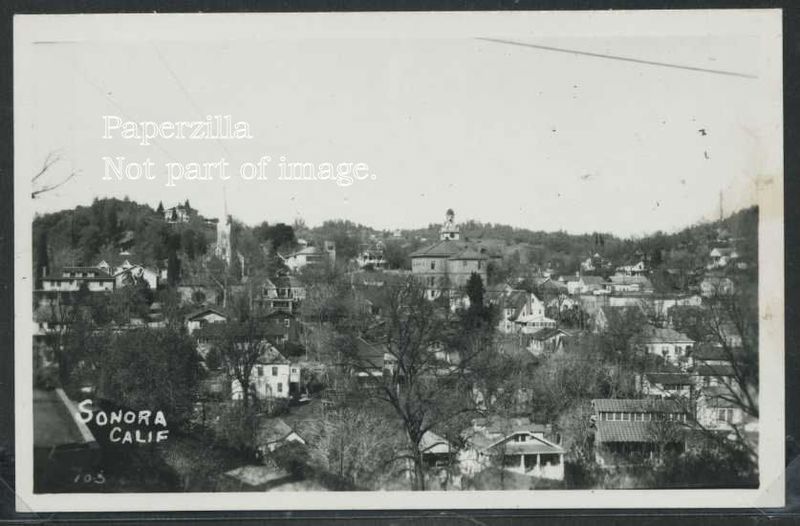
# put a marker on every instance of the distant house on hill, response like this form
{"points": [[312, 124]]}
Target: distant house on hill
{"points": [[635, 269], [178, 214], [634, 283], [310, 255], [714, 285], [721, 257], [72, 279]]}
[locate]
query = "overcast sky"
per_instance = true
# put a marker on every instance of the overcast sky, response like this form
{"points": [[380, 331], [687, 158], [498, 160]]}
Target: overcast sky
{"points": [[499, 132]]}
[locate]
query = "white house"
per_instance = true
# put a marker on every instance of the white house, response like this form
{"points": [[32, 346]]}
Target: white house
{"points": [[126, 272], [633, 283], [203, 317], [517, 444], [670, 344], [515, 306], [633, 270], [270, 377], [717, 410]]}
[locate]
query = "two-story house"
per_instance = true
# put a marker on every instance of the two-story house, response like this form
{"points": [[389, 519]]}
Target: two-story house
{"points": [[631, 431], [516, 306], [270, 377]]}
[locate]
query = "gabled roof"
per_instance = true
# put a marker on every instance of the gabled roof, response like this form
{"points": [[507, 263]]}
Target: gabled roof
{"points": [[533, 446], [205, 310], [593, 280], [270, 355], [271, 430]]}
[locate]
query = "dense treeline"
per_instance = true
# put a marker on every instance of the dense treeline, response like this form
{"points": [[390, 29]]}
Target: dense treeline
{"points": [[86, 234]]}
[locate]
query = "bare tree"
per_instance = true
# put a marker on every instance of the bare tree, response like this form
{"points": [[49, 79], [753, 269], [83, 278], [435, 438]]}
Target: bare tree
{"points": [[240, 343], [423, 390], [41, 187]]}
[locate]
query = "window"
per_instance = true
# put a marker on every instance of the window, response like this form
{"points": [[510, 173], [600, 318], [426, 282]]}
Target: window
{"points": [[280, 387], [725, 415], [260, 370], [287, 322], [274, 371], [706, 381], [479, 264], [626, 416], [638, 417], [433, 265]]}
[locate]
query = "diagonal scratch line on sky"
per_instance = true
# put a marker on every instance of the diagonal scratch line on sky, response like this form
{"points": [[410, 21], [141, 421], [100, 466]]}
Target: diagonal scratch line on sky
{"points": [[624, 59]]}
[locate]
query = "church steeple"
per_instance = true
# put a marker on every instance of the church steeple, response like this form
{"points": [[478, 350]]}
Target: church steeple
{"points": [[223, 247], [449, 230]]}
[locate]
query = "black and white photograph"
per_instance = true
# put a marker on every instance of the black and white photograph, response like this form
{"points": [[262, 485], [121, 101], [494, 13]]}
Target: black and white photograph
{"points": [[287, 261]]}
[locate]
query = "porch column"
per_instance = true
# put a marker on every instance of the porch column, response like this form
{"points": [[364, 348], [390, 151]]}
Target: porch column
{"points": [[522, 462], [538, 461]]}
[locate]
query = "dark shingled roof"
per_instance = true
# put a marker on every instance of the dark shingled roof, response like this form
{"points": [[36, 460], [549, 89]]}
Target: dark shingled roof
{"points": [[669, 378], [612, 431], [449, 250], [709, 352], [713, 370], [640, 405]]}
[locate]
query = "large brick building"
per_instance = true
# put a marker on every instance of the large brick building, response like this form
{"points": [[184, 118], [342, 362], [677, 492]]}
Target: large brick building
{"points": [[449, 263]]}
